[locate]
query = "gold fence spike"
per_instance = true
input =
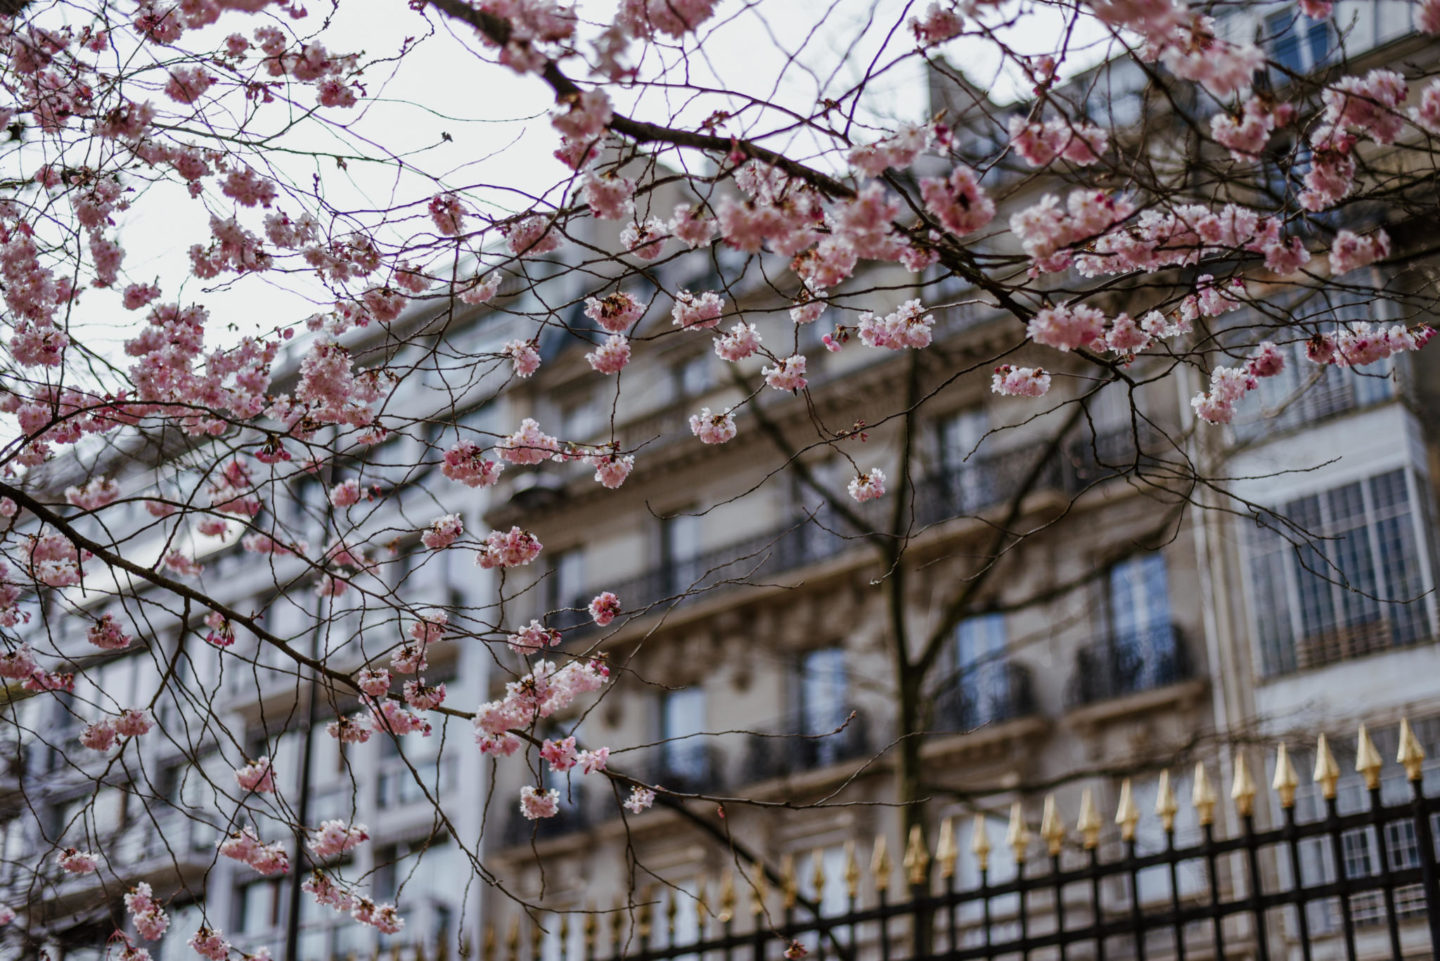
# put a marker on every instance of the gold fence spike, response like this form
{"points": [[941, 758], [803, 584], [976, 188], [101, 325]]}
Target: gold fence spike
{"points": [[487, 944], [917, 859], [442, 950], [759, 891], [537, 935], [1051, 828], [1089, 823], [946, 853], [1412, 755], [395, 953], [727, 896], [980, 841], [852, 871], [466, 947], [1242, 786], [644, 912], [512, 940], [591, 927], [1202, 796], [1327, 772], [702, 905], [789, 890], [1127, 815], [1367, 759], [1017, 834], [881, 867], [817, 873], [1286, 780], [1166, 806], [672, 907], [617, 923], [419, 954]]}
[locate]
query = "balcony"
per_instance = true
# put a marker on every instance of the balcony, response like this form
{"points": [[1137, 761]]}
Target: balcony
{"points": [[1127, 664], [793, 746], [984, 694]]}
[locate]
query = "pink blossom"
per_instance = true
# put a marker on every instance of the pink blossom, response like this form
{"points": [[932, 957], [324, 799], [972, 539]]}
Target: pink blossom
{"points": [[443, 532], [465, 463], [898, 150], [448, 214], [742, 341], [374, 681], [906, 327], [134, 722], [336, 837], [612, 469], [528, 445], [1351, 252], [408, 659], [1040, 142], [957, 201], [1427, 18], [524, 357], [640, 799], [1427, 115], [481, 291], [608, 196], [787, 374], [1066, 328], [615, 312], [582, 118], [256, 776], [713, 428], [513, 548], [96, 494], [212, 526], [384, 918], [1366, 105], [611, 356], [18, 664], [674, 18], [186, 84], [222, 632], [422, 696], [98, 735], [209, 944], [1317, 9], [181, 564], [429, 627], [7, 914], [1126, 335], [938, 24], [145, 912], [604, 608], [697, 312], [395, 719], [560, 754], [348, 730], [534, 637], [691, 227], [644, 240], [1361, 343], [533, 236], [868, 485], [539, 803], [245, 846], [107, 635], [591, 761], [78, 862], [1246, 136]]}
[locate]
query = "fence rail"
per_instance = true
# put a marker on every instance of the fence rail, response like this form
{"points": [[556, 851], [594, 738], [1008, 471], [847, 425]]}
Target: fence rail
{"points": [[1256, 896]]}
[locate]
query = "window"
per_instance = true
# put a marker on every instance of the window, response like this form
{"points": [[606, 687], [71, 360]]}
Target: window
{"points": [[679, 551], [824, 703], [982, 690], [582, 418], [968, 483], [1143, 645], [1297, 43], [684, 757], [565, 583], [1344, 593], [694, 376]]}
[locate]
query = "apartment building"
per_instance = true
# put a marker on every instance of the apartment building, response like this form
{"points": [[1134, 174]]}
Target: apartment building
{"points": [[1142, 625]]}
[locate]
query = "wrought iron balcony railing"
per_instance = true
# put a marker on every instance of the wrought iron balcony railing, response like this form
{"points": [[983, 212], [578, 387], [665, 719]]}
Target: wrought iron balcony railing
{"points": [[984, 694], [1129, 663]]}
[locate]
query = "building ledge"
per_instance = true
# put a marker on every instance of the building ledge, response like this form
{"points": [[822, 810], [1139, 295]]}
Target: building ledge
{"points": [[988, 741], [1177, 696]]}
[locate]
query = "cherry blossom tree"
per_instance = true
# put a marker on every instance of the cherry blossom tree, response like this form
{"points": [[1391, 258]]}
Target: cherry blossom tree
{"points": [[154, 424]]}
